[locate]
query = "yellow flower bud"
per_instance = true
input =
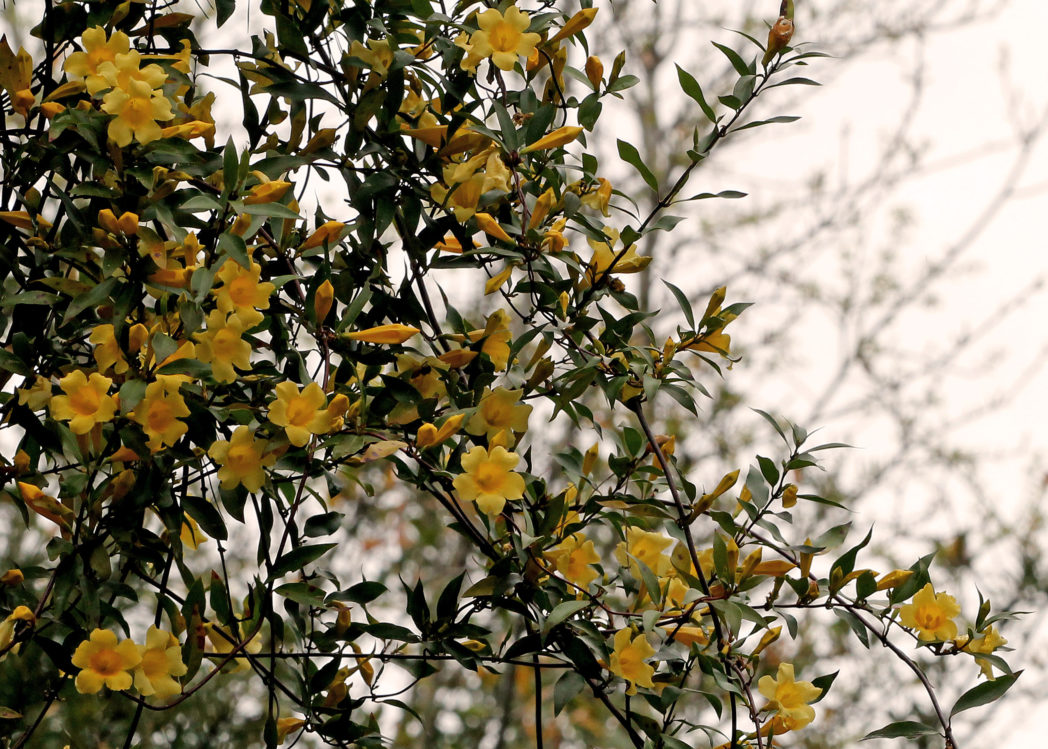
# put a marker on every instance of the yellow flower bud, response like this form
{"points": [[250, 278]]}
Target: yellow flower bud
{"points": [[495, 282], [767, 639], [894, 579], [267, 192], [575, 24], [541, 209], [559, 137], [594, 71], [590, 459], [789, 496], [128, 223], [394, 333], [749, 564], [12, 577], [107, 220], [323, 300]]}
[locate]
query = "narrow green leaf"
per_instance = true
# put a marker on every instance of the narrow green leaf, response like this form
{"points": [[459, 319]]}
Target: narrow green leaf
{"points": [[567, 686], [985, 693], [630, 155], [903, 729], [736, 60], [691, 87], [770, 121], [682, 301], [562, 611], [298, 558]]}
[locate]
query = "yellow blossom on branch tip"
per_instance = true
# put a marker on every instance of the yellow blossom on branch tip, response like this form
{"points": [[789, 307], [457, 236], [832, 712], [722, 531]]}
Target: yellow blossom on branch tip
{"points": [[242, 460], [137, 111], [488, 478], [502, 37], [222, 344], [499, 409], [302, 414], [97, 50], [491, 227], [573, 558], [627, 660], [267, 192], [322, 300], [931, 614], [559, 137], [105, 662], [161, 662], [86, 401], [160, 412], [287, 726], [647, 547], [391, 334], [789, 698]]}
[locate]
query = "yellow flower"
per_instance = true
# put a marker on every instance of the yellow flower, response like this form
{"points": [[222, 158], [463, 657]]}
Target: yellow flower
{"points": [[97, 50], [573, 559], [222, 345], [498, 411], [503, 37], [242, 460], [988, 641], [646, 547], [137, 111], [605, 254], [627, 660], [323, 298], [789, 698], [931, 615], [301, 414], [37, 395], [463, 196], [488, 478], [122, 69], [242, 293], [85, 402], [287, 726], [8, 625], [104, 662], [107, 349], [191, 535], [159, 413], [496, 336], [161, 661], [688, 634], [377, 54]]}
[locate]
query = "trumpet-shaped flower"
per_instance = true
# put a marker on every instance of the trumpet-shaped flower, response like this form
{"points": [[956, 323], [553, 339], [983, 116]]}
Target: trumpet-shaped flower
{"points": [[489, 479], [222, 345], [931, 614], [37, 395], [97, 50], [124, 68], [573, 558], [789, 698], [302, 414], [161, 662], [242, 460], [85, 402], [503, 37], [627, 660], [107, 351], [647, 547], [137, 111], [160, 411], [499, 411], [105, 662], [242, 292]]}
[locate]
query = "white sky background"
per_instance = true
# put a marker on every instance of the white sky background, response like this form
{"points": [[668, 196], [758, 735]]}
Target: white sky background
{"points": [[983, 85]]}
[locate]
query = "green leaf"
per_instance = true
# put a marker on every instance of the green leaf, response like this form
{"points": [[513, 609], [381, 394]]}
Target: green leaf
{"points": [[736, 60], [224, 10], [567, 686], [682, 301], [856, 626], [236, 248], [298, 558], [31, 297], [903, 729], [206, 515], [770, 121], [985, 693], [562, 611], [628, 152], [771, 420], [691, 87]]}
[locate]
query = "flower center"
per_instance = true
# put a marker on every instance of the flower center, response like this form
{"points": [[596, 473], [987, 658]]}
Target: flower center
{"points": [[300, 412], [224, 344], [106, 663], [489, 476], [160, 417], [85, 401], [137, 112], [503, 37], [242, 458], [929, 617], [242, 291]]}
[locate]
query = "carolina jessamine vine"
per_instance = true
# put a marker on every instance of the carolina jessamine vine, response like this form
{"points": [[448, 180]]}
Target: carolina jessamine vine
{"points": [[202, 352]]}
